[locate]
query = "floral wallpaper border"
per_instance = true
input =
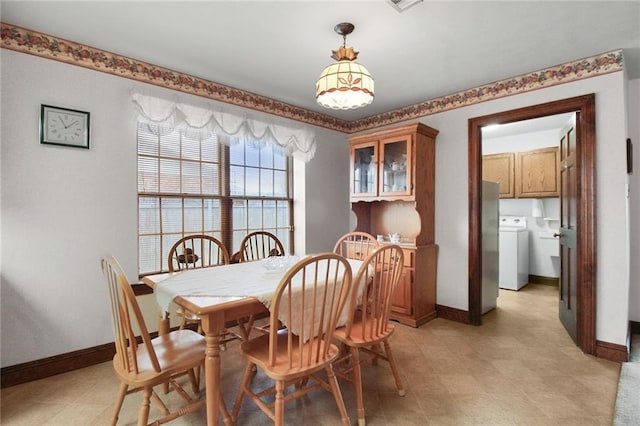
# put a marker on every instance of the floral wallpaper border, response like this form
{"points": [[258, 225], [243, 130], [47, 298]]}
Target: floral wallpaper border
{"points": [[50, 47]]}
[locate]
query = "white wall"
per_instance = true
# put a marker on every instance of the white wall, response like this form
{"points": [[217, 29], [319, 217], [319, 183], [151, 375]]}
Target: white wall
{"points": [[633, 100], [327, 203], [612, 227], [63, 209]]}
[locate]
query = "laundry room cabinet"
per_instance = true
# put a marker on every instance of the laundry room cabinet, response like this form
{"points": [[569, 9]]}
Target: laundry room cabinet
{"points": [[526, 174], [538, 173], [500, 168], [392, 191]]}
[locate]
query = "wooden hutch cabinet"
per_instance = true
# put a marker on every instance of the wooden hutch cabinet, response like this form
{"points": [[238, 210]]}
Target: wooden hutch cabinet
{"points": [[392, 191]]}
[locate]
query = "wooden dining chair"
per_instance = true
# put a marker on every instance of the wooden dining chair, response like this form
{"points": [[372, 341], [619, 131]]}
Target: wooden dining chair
{"points": [[368, 328], [141, 366], [259, 245], [355, 245], [195, 252], [256, 246], [296, 353]]}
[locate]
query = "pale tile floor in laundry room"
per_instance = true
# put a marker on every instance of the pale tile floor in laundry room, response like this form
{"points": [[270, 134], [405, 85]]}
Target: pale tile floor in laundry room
{"points": [[519, 368]]}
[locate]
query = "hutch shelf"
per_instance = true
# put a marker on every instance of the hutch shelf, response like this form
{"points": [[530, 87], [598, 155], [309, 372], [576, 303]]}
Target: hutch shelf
{"points": [[392, 191]]}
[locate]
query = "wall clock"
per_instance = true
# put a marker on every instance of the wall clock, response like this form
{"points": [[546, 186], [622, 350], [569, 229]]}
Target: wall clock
{"points": [[63, 126]]}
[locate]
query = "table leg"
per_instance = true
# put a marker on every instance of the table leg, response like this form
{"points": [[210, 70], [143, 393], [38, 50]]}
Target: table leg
{"points": [[164, 323], [212, 325], [164, 326]]}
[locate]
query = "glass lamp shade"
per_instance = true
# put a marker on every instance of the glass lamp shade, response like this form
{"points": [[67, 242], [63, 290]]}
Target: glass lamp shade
{"points": [[344, 85]]}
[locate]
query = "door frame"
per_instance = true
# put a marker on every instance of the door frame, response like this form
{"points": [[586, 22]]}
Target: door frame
{"points": [[586, 206]]}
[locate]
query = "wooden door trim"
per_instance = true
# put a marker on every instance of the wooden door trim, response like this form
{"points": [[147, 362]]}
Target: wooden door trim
{"points": [[586, 227]]}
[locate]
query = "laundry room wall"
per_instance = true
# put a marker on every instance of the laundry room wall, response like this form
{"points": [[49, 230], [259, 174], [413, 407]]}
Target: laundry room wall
{"points": [[544, 257]]}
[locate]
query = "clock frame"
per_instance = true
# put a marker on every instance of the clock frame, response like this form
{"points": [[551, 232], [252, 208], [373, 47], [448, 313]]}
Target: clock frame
{"points": [[64, 127]]}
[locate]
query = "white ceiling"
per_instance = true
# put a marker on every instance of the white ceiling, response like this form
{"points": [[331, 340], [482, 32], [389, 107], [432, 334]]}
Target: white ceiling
{"points": [[278, 48]]}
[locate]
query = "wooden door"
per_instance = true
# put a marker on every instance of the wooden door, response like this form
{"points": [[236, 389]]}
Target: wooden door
{"points": [[568, 228], [584, 213]]}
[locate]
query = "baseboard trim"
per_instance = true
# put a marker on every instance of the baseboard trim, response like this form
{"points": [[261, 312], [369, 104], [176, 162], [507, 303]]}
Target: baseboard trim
{"points": [[539, 279], [58, 364], [612, 351], [63, 363], [634, 327], [453, 314]]}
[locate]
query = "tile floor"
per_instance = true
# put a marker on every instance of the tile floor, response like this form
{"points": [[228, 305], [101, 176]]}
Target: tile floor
{"points": [[519, 368]]}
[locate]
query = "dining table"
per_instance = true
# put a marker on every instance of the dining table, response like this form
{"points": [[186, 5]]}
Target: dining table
{"points": [[219, 295]]}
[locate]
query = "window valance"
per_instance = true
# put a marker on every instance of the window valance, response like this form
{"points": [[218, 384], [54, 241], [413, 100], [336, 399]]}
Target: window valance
{"points": [[228, 127]]}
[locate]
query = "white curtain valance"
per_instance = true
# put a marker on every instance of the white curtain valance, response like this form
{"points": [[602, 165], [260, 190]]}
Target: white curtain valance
{"points": [[300, 143]]}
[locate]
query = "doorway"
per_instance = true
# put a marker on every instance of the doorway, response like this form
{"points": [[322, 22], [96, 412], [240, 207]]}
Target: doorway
{"points": [[584, 169]]}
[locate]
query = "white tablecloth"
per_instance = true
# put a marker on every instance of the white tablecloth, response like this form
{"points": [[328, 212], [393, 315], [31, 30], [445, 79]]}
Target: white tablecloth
{"points": [[247, 279]]}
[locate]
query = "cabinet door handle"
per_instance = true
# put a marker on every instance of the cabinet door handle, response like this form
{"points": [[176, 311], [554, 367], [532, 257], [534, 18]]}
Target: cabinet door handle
{"points": [[557, 234]]}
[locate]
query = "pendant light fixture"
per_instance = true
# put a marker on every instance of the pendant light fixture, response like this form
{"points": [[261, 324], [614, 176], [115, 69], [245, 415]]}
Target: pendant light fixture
{"points": [[345, 84]]}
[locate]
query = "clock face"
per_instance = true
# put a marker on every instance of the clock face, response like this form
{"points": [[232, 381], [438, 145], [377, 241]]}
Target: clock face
{"points": [[66, 127]]}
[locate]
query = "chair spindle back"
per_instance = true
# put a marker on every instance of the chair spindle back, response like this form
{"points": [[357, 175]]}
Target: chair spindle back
{"points": [[197, 251], [355, 245], [382, 269], [309, 300], [259, 245], [124, 309]]}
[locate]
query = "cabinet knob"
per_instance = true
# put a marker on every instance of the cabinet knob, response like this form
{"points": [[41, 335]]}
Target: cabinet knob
{"points": [[557, 234]]}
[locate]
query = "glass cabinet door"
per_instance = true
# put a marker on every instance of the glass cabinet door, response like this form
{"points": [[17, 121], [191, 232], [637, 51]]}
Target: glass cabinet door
{"points": [[364, 170], [396, 166]]}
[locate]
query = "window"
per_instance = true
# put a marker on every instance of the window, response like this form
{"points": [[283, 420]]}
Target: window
{"points": [[190, 183]]}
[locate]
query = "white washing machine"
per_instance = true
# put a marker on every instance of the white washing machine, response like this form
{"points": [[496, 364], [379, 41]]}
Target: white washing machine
{"points": [[514, 253]]}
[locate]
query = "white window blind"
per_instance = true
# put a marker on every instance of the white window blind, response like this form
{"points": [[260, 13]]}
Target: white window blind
{"points": [[190, 183]]}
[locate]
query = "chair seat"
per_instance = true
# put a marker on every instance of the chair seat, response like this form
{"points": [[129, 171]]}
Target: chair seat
{"points": [[177, 351], [357, 338], [257, 352]]}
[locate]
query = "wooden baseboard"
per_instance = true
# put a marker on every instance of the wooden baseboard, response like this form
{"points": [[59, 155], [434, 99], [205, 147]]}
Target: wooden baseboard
{"points": [[612, 351], [46, 367], [58, 364], [453, 314], [539, 279]]}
